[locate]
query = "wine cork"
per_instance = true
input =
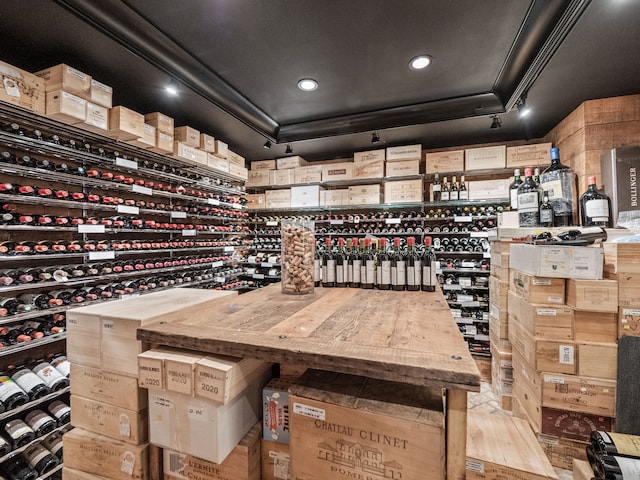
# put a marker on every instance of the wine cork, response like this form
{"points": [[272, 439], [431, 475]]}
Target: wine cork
{"points": [[297, 259]]}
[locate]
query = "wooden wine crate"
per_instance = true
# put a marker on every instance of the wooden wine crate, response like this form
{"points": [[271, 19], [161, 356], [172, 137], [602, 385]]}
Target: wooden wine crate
{"points": [[526, 402], [528, 155], [72, 474], [278, 198], [187, 135], [97, 120], [593, 295], [256, 201], [276, 461], [66, 107], [163, 123], [22, 89], [579, 393], [291, 162], [69, 79], [128, 426], [400, 428], [337, 171], [562, 452], [628, 288], [125, 124], [257, 178], [483, 158], [308, 174], [106, 387], [404, 152], [369, 164], [544, 355], [402, 168], [621, 257], [263, 165], [628, 322], [598, 359], [208, 143], [445, 162], [164, 143], [582, 470], [275, 410], [541, 321], [243, 463], [502, 447], [403, 191], [500, 272], [100, 455], [533, 289], [595, 326], [499, 259], [498, 292], [284, 176]]}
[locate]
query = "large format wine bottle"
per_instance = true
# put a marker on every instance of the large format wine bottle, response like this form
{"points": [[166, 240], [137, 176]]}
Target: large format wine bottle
{"points": [[528, 201], [560, 183], [595, 208]]}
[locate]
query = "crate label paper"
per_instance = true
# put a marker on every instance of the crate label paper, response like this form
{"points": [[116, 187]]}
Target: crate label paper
{"points": [[541, 282], [128, 462], [309, 411], [566, 354], [475, 465], [125, 425], [552, 379], [547, 312]]}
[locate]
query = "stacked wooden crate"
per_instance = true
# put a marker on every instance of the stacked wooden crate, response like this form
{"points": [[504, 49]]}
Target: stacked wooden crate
{"points": [[564, 365], [501, 362], [622, 263], [108, 408]]}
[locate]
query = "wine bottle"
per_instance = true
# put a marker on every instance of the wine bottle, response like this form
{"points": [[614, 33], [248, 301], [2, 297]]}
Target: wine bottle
{"points": [[19, 433], [354, 265], [513, 189], [383, 266], [414, 266], [16, 468], [560, 181], [328, 265], [29, 382], [40, 301], [545, 212], [40, 459], [528, 201], [463, 193], [368, 267], [11, 395], [428, 263], [13, 306], [444, 192], [609, 443], [398, 267], [436, 188], [453, 190], [594, 206], [341, 264], [49, 375], [613, 467]]}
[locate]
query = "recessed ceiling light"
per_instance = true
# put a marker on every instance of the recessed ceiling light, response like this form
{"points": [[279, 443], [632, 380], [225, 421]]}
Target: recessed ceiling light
{"points": [[307, 84], [420, 62], [172, 88]]}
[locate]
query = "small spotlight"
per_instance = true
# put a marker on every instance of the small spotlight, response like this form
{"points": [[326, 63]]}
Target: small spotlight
{"points": [[307, 84], [496, 122], [267, 144], [172, 88], [523, 110], [375, 138], [289, 149], [420, 62]]}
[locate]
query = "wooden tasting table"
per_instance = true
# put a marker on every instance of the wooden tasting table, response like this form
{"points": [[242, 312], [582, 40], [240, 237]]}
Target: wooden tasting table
{"points": [[407, 337]]}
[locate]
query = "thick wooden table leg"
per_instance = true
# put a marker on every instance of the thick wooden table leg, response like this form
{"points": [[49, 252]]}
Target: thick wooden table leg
{"points": [[456, 434]]}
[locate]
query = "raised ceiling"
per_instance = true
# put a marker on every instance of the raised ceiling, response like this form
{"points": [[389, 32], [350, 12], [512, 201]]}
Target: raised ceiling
{"points": [[237, 63]]}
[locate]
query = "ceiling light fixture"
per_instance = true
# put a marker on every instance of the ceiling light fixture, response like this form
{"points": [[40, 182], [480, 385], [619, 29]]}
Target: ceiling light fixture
{"points": [[375, 138], [523, 110], [288, 149], [267, 144], [420, 62], [496, 122], [172, 88], [307, 84]]}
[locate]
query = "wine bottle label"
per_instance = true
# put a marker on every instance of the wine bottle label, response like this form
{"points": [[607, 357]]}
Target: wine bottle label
{"points": [[340, 274], [528, 202], [546, 215], [37, 418], [385, 278], [513, 195], [62, 365], [414, 274], [597, 210], [49, 375], [630, 467], [463, 195], [8, 388], [357, 268], [453, 195], [401, 273], [370, 272], [316, 270], [59, 409], [426, 275], [444, 195], [436, 188], [330, 271], [626, 444], [17, 429], [27, 380]]}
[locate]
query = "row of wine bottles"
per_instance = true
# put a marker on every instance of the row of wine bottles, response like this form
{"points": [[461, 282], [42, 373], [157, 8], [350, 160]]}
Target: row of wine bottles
{"points": [[37, 378], [387, 269], [32, 329], [47, 299], [614, 456], [45, 247], [38, 459], [85, 147], [63, 273]]}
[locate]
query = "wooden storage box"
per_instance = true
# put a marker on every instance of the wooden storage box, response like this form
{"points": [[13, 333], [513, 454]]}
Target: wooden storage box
{"points": [[22, 89], [187, 135], [337, 419], [628, 289], [237, 171], [66, 107], [106, 387], [488, 189], [164, 143], [308, 174], [69, 79], [163, 123], [334, 172], [305, 196], [284, 176], [243, 463], [101, 94], [235, 158], [593, 295], [72, 474], [498, 293], [597, 359], [403, 191], [275, 461], [290, 162], [582, 470], [217, 163], [563, 452], [189, 154], [179, 370], [445, 162], [573, 425], [500, 272], [528, 155], [125, 124], [557, 261], [97, 119], [148, 140], [128, 426], [595, 326], [402, 168], [199, 427], [263, 165], [485, 158], [278, 198], [560, 356], [334, 198], [502, 447], [257, 178], [369, 164], [405, 152], [220, 378], [534, 289], [256, 201], [579, 393], [207, 143], [622, 257], [628, 322], [364, 195], [541, 321], [100, 455], [221, 149]]}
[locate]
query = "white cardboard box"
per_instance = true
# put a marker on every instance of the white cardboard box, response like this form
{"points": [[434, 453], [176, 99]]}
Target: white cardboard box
{"points": [[488, 189], [557, 261], [305, 196]]}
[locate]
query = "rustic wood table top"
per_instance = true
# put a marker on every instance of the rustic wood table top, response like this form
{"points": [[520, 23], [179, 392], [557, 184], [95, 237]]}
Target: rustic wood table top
{"points": [[407, 337]]}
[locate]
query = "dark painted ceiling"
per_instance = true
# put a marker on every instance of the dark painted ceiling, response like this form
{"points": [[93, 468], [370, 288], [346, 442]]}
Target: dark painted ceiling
{"points": [[238, 62]]}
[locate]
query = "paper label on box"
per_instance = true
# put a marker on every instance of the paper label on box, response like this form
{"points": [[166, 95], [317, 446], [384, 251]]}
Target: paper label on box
{"points": [[475, 465], [630, 311], [547, 312], [125, 425], [552, 379], [90, 228], [198, 414], [280, 464], [555, 299], [128, 462], [541, 282], [123, 162], [566, 354], [309, 411], [76, 73], [141, 189], [161, 401], [494, 311], [11, 87], [547, 440]]}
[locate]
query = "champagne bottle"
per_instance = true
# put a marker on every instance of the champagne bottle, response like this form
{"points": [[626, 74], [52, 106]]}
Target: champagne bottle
{"points": [[463, 193], [444, 193], [453, 190]]}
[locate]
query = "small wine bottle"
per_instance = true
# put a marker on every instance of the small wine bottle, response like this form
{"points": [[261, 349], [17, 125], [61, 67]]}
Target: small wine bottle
{"points": [[545, 212]]}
